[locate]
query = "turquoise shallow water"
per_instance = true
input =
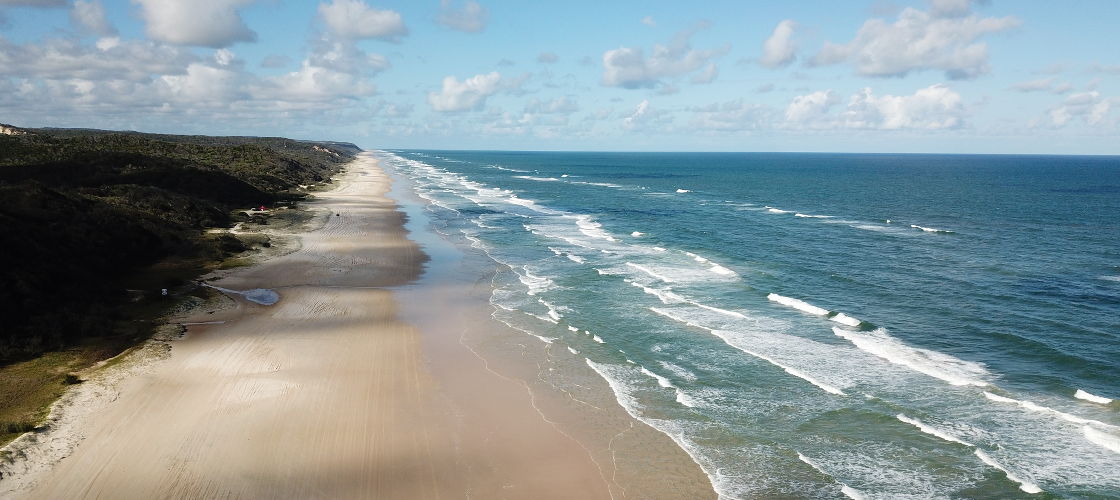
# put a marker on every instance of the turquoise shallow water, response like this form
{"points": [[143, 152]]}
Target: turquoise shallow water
{"points": [[816, 325]]}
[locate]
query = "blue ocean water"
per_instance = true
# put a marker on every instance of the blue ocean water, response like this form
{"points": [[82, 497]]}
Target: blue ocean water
{"points": [[821, 325]]}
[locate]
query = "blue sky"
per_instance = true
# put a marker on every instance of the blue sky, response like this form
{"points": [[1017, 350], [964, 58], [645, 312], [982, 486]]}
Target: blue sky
{"points": [[954, 76]]}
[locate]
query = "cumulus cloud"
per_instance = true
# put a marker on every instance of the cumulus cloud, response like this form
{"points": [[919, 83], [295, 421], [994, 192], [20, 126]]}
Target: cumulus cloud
{"points": [[469, 94], [778, 50], [547, 58], [471, 17], [89, 16], [1089, 107], [345, 57], [945, 39], [648, 21], [205, 23], [629, 68], [109, 59], [931, 108], [354, 19]]}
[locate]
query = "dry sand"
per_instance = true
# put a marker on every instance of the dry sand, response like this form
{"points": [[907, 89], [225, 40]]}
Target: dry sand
{"points": [[329, 394]]}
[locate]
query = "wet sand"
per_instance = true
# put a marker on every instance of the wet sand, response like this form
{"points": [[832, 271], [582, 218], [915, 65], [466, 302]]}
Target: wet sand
{"points": [[346, 388]]}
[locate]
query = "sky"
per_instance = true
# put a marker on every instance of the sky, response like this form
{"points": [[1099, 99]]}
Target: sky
{"points": [[932, 76]]}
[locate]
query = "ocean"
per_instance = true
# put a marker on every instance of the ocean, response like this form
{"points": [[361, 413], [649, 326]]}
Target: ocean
{"points": [[819, 325]]}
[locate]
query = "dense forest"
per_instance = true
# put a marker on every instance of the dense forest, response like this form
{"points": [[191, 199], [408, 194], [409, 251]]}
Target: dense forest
{"points": [[86, 214]]}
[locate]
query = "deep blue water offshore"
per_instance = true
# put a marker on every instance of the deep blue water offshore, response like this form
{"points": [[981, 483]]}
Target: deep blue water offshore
{"points": [[821, 325]]}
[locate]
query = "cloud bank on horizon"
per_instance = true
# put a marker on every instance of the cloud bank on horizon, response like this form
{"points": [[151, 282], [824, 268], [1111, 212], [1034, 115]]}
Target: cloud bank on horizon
{"points": [[876, 75]]}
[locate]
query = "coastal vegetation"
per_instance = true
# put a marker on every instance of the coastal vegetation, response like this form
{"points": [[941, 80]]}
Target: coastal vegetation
{"points": [[93, 224]]}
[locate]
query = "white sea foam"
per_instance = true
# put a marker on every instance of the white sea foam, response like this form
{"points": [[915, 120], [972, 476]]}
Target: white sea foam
{"points": [[628, 403], [637, 234], [933, 431], [799, 214], [539, 179], [697, 258], [650, 272], [844, 319], [658, 249], [726, 336], [1080, 394], [718, 269], [1032, 406], [572, 328], [1024, 485], [666, 295], [935, 364], [597, 339], [662, 381], [848, 491], [536, 284], [591, 228], [685, 399], [930, 229], [777, 210], [1103, 439], [575, 258], [683, 191], [552, 310], [573, 351], [800, 305], [678, 371], [724, 312]]}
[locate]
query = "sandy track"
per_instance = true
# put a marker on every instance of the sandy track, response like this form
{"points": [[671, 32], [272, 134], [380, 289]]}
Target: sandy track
{"points": [[323, 395]]}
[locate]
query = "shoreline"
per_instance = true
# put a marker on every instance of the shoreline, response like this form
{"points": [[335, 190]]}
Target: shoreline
{"points": [[335, 391]]}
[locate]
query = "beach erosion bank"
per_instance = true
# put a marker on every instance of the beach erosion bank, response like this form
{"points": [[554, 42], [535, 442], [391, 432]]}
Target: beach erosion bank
{"points": [[378, 374]]}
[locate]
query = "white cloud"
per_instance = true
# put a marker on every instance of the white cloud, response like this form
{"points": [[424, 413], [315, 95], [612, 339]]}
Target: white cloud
{"points": [[943, 39], [547, 58], [648, 21], [559, 105], [629, 68], [950, 8], [730, 116], [206, 23], [90, 16], [470, 94], [640, 114], [471, 18], [110, 59], [778, 50], [812, 108], [932, 108], [1043, 85], [33, 3], [345, 57], [707, 76], [1087, 106], [354, 19]]}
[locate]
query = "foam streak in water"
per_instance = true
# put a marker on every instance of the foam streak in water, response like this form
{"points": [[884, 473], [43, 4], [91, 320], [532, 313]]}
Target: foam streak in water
{"points": [[1024, 485], [1102, 439], [800, 305], [1080, 394], [848, 491], [935, 364], [933, 431]]}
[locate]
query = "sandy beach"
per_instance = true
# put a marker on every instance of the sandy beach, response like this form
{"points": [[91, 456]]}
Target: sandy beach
{"points": [[351, 387]]}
